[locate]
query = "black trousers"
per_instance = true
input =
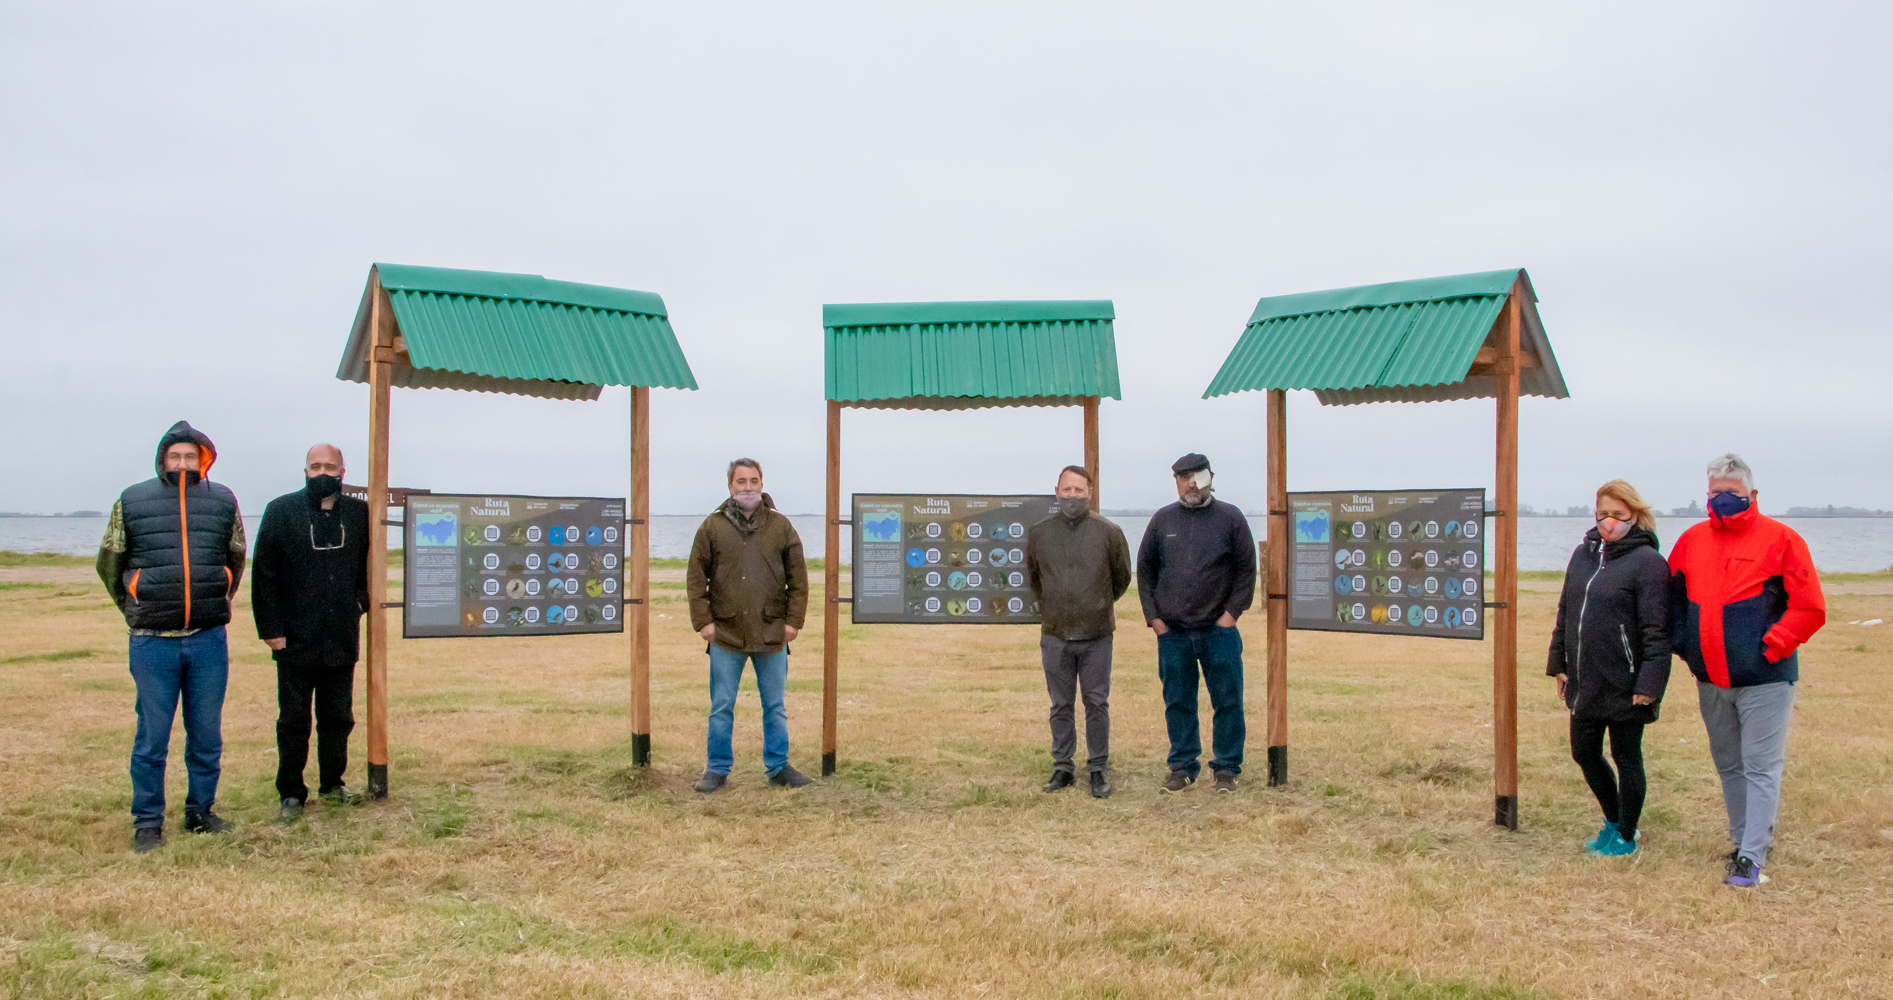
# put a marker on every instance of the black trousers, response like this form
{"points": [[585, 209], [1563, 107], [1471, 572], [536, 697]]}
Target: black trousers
{"points": [[333, 691], [1620, 793], [1070, 666]]}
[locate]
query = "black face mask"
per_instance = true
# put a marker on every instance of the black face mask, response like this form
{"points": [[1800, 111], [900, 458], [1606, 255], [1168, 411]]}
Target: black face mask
{"points": [[1074, 507], [323, 487]]}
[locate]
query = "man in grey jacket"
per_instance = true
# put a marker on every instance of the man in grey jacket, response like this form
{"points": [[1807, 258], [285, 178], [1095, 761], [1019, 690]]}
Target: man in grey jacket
{"points": [[1078, 565]]}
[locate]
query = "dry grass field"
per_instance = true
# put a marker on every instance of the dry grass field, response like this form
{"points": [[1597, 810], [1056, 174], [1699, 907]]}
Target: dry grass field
{"points": [[521, 857]]}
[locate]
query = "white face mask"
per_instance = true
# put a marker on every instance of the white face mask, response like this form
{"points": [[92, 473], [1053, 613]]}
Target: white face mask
{"points": [[1613, 529]]}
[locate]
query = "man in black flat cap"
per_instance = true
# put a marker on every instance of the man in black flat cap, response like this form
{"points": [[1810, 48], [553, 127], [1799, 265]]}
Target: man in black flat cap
{"points": [[1195, 577]]}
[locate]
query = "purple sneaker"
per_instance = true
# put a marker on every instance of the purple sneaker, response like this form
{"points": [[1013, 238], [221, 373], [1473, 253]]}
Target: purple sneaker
{"points": [[1744, 873]]}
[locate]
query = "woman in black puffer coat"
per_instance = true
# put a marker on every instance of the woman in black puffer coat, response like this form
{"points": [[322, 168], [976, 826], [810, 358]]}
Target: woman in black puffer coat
{"points": [[1610, 652]]}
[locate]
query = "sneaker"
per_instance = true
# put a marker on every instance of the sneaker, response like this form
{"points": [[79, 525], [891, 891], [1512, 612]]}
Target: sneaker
{"points": [[1617, 847], [291, 810], [341, 796], [788, 777], [1604, 836], [1744, 874], [1100, 785], [146, 839], [710, 782], [1178, 781], [1061, 780], [204, 822], [1225, 782]]}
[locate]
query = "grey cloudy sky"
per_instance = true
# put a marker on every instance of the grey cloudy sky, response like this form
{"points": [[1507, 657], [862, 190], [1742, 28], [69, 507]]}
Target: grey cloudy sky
{"points": [[194, 194]]}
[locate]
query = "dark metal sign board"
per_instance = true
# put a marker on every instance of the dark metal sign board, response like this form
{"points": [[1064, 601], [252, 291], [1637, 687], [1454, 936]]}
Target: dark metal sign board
{"points": [[513, 565], [944, 559], [1407, 562]]}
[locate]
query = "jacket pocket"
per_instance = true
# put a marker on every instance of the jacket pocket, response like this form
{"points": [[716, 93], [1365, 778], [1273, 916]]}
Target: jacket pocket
{"points": [[1630, 659], [773, 632]]}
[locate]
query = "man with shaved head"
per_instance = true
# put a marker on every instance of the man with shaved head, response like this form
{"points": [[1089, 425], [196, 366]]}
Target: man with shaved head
{"points": [[309, 587]]}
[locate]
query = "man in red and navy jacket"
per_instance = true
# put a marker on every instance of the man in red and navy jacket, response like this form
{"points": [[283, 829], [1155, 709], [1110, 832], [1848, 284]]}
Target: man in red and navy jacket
{"points": [[1745, 597]]}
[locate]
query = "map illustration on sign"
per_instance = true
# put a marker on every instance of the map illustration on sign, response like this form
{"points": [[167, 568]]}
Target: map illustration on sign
{"points": [[437, 530], [931, 559], [1396, 563], [486, 565], [882, 528]]}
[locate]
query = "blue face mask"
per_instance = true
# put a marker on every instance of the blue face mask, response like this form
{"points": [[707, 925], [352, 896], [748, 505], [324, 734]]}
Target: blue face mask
{"points": [[1726, 504]]}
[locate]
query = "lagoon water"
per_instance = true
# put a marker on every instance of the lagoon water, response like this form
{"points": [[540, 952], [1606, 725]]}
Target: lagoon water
{"points": [[1839, 544]]}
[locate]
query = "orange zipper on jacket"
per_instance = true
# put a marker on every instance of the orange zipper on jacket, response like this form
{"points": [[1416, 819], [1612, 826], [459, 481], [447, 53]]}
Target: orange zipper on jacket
{"points": [[184, 531]]}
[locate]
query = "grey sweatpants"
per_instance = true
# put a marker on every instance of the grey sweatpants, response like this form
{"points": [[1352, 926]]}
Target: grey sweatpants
{"points": [[1748, 738], [1068, 666]]}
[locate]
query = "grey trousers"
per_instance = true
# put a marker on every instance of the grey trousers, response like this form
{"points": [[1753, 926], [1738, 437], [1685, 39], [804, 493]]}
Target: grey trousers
{"points": [[1748, 738], [1068, 666]]}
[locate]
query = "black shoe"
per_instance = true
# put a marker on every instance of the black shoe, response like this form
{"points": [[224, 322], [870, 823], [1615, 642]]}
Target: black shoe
{"points": [[341, 796], [1100, 785], [204, 822], [1225, 782], [788, 777], [146, 839], [291, 810], [710, 782], [1061, 780], [1178, 781]]}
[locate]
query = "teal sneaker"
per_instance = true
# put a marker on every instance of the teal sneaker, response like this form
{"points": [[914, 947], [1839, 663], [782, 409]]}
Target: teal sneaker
{"points": [[1618, 846], [1604, 837]]}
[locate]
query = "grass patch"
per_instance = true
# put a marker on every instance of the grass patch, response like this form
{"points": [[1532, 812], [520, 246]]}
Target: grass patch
{"points": [[445, 813], [58, 657], [1410, 987], [27, 586], [9, 558]]}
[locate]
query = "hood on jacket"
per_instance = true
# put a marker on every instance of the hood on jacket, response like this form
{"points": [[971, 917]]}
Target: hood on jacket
{"points": [[1637, 537], [183, 433]]}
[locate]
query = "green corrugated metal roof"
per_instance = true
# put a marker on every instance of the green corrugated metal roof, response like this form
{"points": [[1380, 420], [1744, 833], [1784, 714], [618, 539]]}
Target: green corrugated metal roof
{"points": [[1405, 341], [520, 333], [963, 355]]}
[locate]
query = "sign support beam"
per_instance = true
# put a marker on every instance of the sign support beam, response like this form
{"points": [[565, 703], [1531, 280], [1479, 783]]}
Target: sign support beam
{"points": [[1505, 575], [1275, 585], [831, 592], [637, 582], [1091, 448], [380, 324]]}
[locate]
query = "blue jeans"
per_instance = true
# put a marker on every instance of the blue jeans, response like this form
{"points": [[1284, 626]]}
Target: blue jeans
{"points": [[772, 676], [196, 668], [1217, 652]]}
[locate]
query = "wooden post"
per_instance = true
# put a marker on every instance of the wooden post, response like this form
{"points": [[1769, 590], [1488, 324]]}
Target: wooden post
{"points": [[1505, 576], [831, 591], [1275, 585], [1091, 447], [637, 583], [380, 361]]}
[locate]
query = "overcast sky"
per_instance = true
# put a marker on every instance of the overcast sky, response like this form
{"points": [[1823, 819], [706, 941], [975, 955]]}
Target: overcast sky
{"points": [[194, 195]]}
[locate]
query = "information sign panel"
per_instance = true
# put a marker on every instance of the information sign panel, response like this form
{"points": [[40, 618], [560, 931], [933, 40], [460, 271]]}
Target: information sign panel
{"points": [[487, 565], [944, 558], [1408, 562]]}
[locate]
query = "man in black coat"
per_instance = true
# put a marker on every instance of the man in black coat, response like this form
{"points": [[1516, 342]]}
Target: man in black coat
{"points": [[308, 590], [1196, 576]]}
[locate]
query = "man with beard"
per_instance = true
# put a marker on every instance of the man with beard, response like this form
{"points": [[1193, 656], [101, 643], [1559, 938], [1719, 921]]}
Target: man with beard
{"points": [[171, 558], [308, 594], [1078, 565], [748, 591], [1195, 577]]}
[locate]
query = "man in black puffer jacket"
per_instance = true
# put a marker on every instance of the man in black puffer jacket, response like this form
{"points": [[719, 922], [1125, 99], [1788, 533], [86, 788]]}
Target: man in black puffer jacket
{"points": [[1610, 651], [171, 558]]}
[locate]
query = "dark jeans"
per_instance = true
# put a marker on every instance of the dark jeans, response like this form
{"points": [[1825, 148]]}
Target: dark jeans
{"points": [[1620, 794], [1069, 665], [1217, 653], [194, 668], [333, 691]]}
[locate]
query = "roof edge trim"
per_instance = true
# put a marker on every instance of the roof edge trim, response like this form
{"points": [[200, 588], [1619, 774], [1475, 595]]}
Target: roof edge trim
{"points": [[948, 313], [1455, 286], [524, 287]]}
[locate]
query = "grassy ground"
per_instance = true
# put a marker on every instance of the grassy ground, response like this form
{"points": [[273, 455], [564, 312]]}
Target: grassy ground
{"points": [[521, 857]]}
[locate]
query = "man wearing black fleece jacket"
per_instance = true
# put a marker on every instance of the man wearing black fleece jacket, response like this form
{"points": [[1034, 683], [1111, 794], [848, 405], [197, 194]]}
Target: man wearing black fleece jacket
{"points": [[1195, 577]]}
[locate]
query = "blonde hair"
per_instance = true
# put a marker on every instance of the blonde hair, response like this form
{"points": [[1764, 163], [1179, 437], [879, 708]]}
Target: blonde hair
{"points": [[1621, 490]]}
